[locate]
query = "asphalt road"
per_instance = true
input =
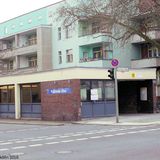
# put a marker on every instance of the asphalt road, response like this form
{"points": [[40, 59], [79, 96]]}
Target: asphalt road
{"points": [[79, 142]]}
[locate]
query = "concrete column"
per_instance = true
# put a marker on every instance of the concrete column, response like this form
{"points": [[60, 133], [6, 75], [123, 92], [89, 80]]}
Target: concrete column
{"points": [[17, 62], [17, 102]]}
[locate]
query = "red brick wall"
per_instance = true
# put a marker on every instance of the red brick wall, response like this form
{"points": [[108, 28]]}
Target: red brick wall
{"points": [[61, 107]]}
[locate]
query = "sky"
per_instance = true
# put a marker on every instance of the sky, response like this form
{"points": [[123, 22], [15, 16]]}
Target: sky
{"points": [[13, 8]]}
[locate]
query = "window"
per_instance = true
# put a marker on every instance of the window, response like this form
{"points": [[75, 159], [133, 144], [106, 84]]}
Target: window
{"points": [[98, 85], [68, 31], [7, 94], [153, 51], [69, 55], [109, 90], [103, 90], [85, 91], [95, 28], [59, 33], [30, 93], [60, 57], [10, 65], [32, 61], [97, 52]]}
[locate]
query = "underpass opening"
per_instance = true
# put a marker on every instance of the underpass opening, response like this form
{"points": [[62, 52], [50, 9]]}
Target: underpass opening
{"points": [[135, 97]]}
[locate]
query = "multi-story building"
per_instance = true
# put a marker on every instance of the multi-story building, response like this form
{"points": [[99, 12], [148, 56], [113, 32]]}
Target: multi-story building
{"points": [[53, 72]]}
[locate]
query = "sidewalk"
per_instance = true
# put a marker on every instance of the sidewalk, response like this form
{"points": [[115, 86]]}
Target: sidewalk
{"points": [[129, 119], [31, 122]]}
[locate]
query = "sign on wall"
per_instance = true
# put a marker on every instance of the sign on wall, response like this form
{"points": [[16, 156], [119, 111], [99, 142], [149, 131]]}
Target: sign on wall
{"points": [[59, 91], [94, 94]]}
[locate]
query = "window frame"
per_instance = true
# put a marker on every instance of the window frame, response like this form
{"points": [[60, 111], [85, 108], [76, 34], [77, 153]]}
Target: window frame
{"points": [[69, 55]]}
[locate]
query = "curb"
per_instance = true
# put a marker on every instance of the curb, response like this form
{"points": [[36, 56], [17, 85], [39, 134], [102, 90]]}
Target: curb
{"points": [[31, 123]]}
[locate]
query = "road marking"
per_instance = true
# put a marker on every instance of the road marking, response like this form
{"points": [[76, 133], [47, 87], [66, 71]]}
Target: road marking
{"points": [[35, 145], [52, 143], [4, 149], [34, 140], [50, 138], [82, 139], [6, 143], [109, 135], [19, 147], [19, 154], [21, 141], [71, 140], [96, 137], [120, 134], [75, 135]]}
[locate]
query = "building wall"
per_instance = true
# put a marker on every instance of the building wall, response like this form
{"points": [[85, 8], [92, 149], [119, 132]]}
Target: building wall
{"points": [[24, 22], [60, 106]]}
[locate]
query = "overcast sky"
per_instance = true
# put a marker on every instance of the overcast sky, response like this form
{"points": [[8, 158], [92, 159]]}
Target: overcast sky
{"points": [[13, 8]]}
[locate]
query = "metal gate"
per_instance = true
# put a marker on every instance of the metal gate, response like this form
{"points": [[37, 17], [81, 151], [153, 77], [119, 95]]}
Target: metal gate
{"points": [[7, 110], [31, 110], [98, 109]]}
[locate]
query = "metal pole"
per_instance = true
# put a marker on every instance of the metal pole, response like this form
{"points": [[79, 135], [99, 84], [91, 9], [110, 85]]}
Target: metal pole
{"points": [[116, 95]]}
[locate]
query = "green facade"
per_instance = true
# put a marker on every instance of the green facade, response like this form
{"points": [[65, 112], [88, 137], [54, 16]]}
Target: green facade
{"points": [[24, 22]]}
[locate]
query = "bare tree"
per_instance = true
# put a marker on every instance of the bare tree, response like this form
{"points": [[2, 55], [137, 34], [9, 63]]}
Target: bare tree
{"points": [[124, 17]]}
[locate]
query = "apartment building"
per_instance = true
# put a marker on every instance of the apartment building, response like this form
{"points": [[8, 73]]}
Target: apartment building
{"points": [[53, 72]]}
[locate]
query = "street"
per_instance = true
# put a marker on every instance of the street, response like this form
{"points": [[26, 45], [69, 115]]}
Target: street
{"points": [[79, 142]]}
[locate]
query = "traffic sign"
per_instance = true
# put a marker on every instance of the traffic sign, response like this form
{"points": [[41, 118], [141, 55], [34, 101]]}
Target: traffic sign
{"points": [[114, 62]]}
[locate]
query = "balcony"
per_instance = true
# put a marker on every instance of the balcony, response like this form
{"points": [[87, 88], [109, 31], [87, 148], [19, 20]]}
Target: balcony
{"points": [[152, 34], [94, 38], [18, 71], [145, 63], [24, 50]]}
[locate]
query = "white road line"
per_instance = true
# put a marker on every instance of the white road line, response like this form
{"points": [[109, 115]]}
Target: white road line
{"points": [[67, 141], [96, 137], [6, 143], [81, 139], [19, 147], [34, 140], [35, 145], [109, 135], [52, 143], [77, 135], [50, 138], [4, 149], [21, 141], [120, 134]]}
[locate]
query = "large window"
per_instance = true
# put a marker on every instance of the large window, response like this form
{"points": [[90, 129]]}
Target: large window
{"points": [[7, 94], [69, 31], [109, 90], [59, 57], [30, 93], [69, 55], [59, 33], [32, 61], [104, 90]]}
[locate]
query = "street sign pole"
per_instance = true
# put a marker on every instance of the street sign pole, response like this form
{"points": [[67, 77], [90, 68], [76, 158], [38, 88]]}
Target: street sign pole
{"points": [[116, 95], [114, 64]]}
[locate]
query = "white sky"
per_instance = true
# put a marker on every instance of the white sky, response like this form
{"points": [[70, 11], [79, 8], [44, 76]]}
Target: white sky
{"points": [[13, 8]]}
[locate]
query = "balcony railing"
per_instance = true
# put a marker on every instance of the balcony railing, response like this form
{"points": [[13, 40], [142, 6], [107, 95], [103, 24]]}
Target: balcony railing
{"points": [[18, 71], [144, 63]]}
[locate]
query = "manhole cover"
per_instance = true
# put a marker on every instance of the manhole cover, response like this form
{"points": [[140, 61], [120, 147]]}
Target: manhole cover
{"points": [[64, 152]]}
